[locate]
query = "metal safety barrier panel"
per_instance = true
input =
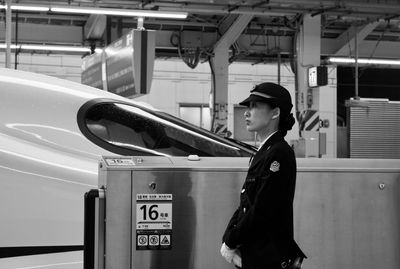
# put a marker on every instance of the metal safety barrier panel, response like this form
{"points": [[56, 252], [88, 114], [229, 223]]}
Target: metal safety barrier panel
{"points": [[171, 212]]}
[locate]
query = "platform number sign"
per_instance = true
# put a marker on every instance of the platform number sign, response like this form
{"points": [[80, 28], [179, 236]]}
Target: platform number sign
{"points": [[153, 221], [149, 212]]}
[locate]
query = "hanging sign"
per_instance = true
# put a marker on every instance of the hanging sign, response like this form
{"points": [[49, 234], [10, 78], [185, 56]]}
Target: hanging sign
{"points": [[153, 221]]}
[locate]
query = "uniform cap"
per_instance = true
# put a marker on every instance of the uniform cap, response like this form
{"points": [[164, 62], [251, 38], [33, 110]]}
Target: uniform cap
{"points": [[270, 93]]}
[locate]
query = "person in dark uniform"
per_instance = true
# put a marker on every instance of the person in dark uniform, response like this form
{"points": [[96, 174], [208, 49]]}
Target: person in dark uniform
{"points": [[260, 232]]}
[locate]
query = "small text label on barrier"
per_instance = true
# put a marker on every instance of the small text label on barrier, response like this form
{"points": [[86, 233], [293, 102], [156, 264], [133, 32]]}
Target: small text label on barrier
{"points": [[120, 161]]}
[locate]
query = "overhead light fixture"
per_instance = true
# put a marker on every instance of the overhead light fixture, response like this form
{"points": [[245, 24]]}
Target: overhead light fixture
{"points": [[12, 46], [104, 11], [55, 48], [30, 8], [26, 8], [121, 12], [363, 61], [49, 48]]}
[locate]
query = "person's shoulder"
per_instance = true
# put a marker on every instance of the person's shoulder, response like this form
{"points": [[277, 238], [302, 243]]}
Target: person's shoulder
{"points": [[283, 149], [281, 145]]}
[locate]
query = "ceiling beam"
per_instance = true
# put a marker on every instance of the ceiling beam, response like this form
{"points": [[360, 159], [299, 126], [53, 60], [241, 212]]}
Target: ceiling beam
{"points": [[366, 49], [233, 32], [226, 23], [72, 35], [345, 42]]}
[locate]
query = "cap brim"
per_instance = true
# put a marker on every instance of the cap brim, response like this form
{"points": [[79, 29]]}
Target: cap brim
{"points": [[255, 98]]}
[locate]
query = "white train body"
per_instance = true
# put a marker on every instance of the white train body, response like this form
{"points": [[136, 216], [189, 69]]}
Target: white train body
{"points": [[46, 164]]}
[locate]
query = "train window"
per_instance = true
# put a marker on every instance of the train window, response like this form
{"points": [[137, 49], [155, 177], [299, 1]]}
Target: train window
{"points": [[129, 130], [197, 114]]}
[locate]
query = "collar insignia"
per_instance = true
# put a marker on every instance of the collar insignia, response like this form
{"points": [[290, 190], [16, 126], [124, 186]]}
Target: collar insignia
{"points": [[274, 166]]}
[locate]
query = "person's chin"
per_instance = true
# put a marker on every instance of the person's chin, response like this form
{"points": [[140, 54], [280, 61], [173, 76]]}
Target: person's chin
{"points": [[249, 128]]}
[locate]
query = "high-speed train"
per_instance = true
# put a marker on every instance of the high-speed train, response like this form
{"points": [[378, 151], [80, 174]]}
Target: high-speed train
{"points": [[53, 133]]}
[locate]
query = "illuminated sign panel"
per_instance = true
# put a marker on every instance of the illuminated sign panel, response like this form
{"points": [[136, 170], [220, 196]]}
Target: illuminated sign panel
{"points": [[317, 76], [125, 67]]}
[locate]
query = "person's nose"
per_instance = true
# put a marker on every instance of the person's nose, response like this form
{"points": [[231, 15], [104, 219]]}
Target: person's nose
{"points": [[247, 113]]}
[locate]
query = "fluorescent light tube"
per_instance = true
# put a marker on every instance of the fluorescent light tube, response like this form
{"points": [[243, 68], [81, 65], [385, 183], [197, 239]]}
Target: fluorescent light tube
{"points": [[104, 11], [30, 8], [12, 46], [26, 8], [121, 12], [49, 48], [364, 61], [55, 48]]}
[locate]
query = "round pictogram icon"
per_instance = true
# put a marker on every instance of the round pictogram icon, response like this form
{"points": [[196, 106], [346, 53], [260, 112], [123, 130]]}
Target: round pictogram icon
{"points": [[142, 240], [153, 240]]}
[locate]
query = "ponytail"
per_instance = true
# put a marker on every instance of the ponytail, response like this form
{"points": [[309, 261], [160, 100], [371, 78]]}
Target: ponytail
{"points": [[286, 123]]}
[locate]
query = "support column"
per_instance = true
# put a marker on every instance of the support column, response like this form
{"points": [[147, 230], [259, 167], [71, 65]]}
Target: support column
{"points": [[8, 34], [307, 99], [219, 67], [219, 90], [308, 54]]}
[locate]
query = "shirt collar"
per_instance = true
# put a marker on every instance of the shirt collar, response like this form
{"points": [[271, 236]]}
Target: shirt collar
{"points": [[265, 140]]}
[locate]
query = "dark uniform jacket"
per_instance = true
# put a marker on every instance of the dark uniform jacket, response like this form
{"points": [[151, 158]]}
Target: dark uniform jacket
{"points": [[262, 226]]}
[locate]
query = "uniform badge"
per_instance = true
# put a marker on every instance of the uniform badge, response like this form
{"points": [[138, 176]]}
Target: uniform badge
{"points": [[274, 166]]}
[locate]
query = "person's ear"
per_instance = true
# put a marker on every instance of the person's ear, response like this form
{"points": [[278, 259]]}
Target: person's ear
{"points": [[276, 112]]}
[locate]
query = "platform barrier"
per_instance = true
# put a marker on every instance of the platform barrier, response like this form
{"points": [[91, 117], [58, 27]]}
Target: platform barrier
{"points": [[170, 212]]}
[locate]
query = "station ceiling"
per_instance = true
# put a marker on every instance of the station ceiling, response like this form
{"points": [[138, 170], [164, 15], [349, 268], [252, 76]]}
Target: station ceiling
{"points": [[270, 26]]}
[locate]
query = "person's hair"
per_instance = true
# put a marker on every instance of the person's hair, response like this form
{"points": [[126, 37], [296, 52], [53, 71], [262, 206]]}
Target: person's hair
{"points": [[286, 123], [286, 119]]}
